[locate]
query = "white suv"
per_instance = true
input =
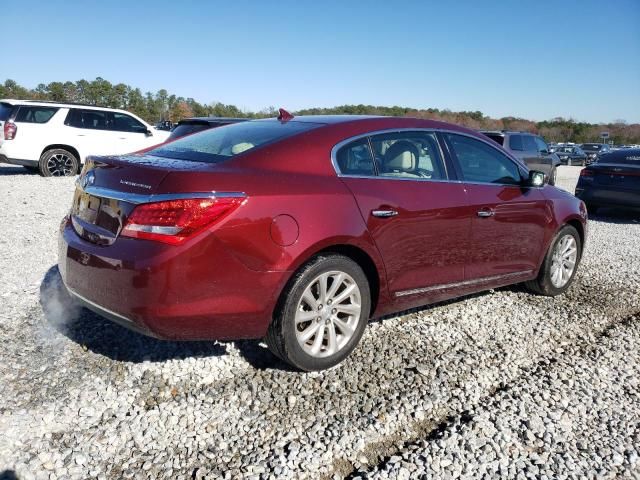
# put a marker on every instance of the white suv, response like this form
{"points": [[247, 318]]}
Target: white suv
{"points": [[55, 138]]}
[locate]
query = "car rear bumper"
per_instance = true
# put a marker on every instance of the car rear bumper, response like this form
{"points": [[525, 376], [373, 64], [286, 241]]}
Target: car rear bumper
{"points": [[17, 161], [191, 292], [609, 197]]}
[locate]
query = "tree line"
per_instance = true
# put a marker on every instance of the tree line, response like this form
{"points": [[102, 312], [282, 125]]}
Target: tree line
{"points": [[161, 105]]}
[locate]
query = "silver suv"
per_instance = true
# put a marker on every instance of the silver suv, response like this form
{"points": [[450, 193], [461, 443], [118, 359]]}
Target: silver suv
{"points": [[529, 148]]}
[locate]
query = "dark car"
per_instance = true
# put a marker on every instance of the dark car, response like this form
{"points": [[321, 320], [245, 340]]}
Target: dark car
{"points": [[593, 150], [530, 149], [571, 155], [198, 124], [612, 181], [300, 229]]}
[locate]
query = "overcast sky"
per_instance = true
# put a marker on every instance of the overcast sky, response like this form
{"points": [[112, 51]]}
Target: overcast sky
{"points": [[532, 59]]}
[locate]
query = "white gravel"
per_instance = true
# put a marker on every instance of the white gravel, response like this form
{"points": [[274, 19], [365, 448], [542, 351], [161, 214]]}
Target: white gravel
{"points": [[503, 383]]}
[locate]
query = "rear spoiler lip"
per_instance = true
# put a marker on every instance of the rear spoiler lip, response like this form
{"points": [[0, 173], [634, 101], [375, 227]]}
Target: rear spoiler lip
{"points": [[140, 198]]}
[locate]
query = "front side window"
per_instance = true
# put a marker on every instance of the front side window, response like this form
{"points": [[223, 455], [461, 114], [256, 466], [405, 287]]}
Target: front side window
{"points": [[515, 143], [482, 163], [408, 155], [220, 144], [35, 114], [542, 146], [355, 158], [529, 143], [126, 123]]}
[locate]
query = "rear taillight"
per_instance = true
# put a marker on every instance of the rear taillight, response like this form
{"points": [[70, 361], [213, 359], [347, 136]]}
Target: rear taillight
{"points": [[585, 172], [174, 221], [10, 130]]}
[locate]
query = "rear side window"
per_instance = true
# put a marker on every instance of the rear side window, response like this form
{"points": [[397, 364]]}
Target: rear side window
{"points": [[482, 163], [529, 143], [219, 144], [355, 158], [515, 143], [408, 155], [5, 111], [91, 119], [35, 114]]}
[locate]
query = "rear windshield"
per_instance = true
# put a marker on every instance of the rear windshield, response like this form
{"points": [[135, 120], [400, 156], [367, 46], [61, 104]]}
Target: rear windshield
{"points": [[499, 139], [219, 144], [5, 111], [186, 128], [625, 157], [592, 147]]}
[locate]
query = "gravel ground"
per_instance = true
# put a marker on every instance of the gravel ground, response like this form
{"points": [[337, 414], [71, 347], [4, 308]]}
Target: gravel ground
{"points": [[502, 383]]}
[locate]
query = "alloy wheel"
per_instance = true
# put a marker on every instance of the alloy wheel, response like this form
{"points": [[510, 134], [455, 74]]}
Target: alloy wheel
{"points": [[563, 261], [328, 313], [60, 165]]}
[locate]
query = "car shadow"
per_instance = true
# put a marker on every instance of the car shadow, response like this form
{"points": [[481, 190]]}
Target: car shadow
{"points": [[616, 216], [8, 475], [6, 170], [104, 337]]}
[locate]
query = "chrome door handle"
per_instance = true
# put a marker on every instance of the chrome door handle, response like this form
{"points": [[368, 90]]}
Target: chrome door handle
{"points": [[384, 213], [486, 213]]}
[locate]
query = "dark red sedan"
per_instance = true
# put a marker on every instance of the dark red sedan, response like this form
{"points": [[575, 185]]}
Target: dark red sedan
{"points": [[301, 229]]}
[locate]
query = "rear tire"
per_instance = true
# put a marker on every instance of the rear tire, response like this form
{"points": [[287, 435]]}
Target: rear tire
{"points": [[58, 163], [553, 278], [322, 313]]}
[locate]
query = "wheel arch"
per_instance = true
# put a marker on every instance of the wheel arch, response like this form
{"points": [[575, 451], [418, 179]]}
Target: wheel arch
{"points": [[361, 257], [63, 146]]}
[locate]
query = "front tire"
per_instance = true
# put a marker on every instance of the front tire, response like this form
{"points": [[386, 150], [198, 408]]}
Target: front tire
{"points": [[58, 163], [322, 314], [552, 176], [560, 264]]}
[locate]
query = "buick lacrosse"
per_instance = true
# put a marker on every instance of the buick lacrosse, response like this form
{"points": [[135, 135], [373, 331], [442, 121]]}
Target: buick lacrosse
{"points": [[300, 229]]}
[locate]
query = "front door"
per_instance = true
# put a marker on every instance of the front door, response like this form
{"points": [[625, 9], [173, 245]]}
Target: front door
{"points": [[418, 219], [508, 219]]}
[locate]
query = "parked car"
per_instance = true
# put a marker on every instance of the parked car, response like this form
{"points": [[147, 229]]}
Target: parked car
{"points": [[612, 181], [301, 229], [55, 138], [571, 155], [165, 125], [593, 150], [529, 148], [198, 124]]}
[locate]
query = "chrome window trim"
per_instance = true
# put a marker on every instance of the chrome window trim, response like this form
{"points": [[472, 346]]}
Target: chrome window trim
{"points": [[139, 198], [465, 283], [488, 141]]}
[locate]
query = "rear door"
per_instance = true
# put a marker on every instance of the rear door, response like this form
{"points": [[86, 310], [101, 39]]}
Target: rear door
{"points": [[508, 220], [90, 132], [417, 217]]}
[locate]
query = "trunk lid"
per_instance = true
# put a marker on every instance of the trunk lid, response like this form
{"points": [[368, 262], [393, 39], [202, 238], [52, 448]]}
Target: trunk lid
{"points": [[109, 188], [617, 175]]}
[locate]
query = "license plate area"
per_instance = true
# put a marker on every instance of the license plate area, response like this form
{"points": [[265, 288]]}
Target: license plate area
{"points": [[98, 219]]}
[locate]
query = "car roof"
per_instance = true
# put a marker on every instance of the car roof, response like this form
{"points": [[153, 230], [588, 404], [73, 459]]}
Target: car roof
{"points": [[47, 103], [502, 132], [214, 119]]}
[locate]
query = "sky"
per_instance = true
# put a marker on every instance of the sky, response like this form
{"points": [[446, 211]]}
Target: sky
{"points": [[533, 59]]}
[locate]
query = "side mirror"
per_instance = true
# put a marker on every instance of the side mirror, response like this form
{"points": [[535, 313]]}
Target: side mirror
{"points": [[148, 133], [536, 179], [544, 152]]}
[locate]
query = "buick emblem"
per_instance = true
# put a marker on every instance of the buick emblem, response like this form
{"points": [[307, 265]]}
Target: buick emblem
{"points": [[88, 179]]}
